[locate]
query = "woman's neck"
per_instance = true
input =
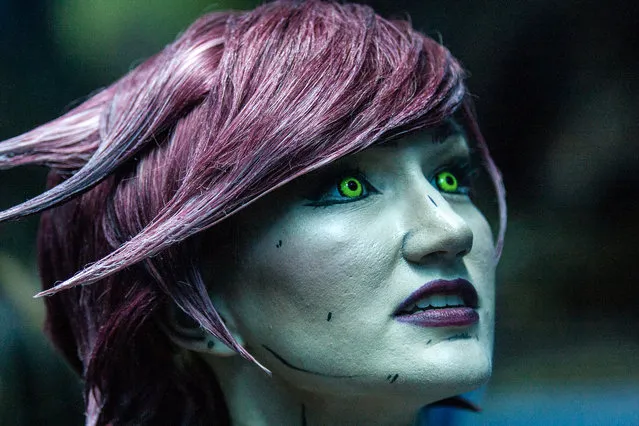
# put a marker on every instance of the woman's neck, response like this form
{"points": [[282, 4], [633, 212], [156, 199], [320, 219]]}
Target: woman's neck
{"points": [[253, 398]]}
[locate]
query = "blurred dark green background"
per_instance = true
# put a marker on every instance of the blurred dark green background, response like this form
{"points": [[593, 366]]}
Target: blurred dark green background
{"points": [[556, 91]]}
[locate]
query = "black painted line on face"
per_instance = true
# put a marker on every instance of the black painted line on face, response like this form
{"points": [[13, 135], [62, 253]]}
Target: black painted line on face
{"points": [[289, 365], [389, 377], [429, 340], [433, 201], [329, 316], [394, 378], [279, 244], [459, 337], [303, 415]]}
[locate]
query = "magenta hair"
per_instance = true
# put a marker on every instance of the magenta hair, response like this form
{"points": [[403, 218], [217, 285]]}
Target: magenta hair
{"points": [[239, 105]]}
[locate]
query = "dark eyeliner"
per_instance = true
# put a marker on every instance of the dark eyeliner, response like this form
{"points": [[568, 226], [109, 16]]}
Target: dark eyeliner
{"points": [[319, 198], [464, 170]]}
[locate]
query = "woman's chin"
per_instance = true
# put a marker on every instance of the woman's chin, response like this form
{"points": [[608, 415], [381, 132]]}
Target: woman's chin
{"points": [[466, 363], [447, 369]]}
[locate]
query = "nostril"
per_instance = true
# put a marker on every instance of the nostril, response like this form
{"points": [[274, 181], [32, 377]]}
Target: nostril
{"points": [[463, 253]]}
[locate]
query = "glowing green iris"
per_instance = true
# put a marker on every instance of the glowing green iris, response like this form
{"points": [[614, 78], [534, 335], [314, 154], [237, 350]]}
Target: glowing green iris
{"points": [[351, 187], [447, 182]]}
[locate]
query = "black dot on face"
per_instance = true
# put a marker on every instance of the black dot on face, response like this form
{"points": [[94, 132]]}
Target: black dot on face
{"points": [[210, 344], [279, 244], [329, 316]]}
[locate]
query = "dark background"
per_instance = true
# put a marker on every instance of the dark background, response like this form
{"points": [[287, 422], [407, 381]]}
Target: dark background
{"points": [[556, 92]]}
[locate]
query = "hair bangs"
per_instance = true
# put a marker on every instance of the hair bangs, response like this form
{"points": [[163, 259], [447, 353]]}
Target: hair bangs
{"points": [[239, 105]]}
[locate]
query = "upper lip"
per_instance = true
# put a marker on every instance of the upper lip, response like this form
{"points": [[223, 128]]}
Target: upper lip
{"points": [[458, 286]]}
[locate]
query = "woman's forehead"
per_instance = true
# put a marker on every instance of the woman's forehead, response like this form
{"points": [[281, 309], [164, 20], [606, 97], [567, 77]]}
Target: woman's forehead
{"points": [[434, 145], [423, 144]]}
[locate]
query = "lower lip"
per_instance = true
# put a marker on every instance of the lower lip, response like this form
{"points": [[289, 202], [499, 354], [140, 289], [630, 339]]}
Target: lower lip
{"points": [[446, 317]]}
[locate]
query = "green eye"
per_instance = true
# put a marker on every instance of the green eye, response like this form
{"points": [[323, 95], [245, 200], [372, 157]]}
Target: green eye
{"points": [[351, 187], [340, 187], [447, 182]]}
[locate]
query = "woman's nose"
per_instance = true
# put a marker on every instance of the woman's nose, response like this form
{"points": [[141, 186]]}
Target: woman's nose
{"points": [[437, 233]]}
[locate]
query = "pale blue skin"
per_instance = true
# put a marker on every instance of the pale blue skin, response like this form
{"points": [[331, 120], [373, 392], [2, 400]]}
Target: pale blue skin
{"points": [[358, 258]]}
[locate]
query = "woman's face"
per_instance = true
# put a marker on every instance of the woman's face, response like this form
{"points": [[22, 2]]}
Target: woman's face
{"points": [[321, 274]]}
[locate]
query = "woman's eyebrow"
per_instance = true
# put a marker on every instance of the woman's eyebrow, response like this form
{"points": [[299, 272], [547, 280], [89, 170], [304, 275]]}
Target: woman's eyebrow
{"points": [[455, 151], [445, 130], [455, 146], [438, 134]]}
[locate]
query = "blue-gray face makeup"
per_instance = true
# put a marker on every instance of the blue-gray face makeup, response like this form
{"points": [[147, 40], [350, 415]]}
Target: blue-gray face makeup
{"points": [[321, 266]]}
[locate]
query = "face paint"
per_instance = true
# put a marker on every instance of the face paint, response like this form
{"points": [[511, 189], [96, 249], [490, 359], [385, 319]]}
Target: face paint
{"points": [[303, 370], [363, 234]]}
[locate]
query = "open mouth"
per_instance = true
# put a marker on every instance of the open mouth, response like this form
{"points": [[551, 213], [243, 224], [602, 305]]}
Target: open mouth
{"points": [[436, 301], [440, 303]]}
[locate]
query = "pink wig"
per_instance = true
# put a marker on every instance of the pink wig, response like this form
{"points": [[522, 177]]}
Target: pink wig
{"points": [[239, 105]]}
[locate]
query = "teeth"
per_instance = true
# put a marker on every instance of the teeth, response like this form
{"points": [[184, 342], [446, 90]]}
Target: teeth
{"points": [[423, 303], [454, 300], [437, 301]]}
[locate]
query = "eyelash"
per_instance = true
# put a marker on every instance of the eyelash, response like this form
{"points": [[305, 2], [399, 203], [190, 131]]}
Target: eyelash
{"points": [[321, 197], [464, 172]]}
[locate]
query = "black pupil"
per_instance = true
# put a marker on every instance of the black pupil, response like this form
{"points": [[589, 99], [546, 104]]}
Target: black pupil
{"points": [[352, 185], [449, 180]]}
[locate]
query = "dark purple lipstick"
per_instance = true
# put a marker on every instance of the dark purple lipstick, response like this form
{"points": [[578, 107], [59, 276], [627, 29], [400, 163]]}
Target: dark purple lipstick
{"points": [[440, 303]]}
